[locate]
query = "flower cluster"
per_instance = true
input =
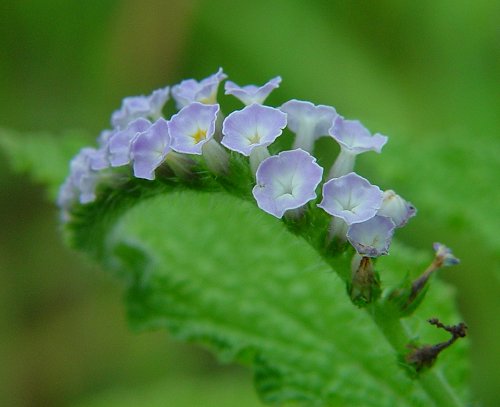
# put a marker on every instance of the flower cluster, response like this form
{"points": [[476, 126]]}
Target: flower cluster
{"points": [[285, 184]]}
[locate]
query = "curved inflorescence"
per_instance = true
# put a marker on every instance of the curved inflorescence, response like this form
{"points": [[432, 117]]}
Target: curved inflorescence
{"points": [[144, 140], [347, 219]]}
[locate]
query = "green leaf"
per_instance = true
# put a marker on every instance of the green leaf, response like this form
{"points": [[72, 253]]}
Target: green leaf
{"points": [[43, 156], [214, 270]]}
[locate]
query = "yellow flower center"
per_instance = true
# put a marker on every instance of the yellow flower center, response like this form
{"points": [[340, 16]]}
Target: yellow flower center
{"points": [[255, 139], [199, 135], [209, 100]]}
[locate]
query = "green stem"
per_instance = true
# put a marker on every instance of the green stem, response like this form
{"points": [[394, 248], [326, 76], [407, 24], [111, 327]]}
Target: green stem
{"points": [[434, 384]]}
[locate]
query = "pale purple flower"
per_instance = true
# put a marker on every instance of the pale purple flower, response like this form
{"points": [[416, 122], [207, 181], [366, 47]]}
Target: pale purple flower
{"points": [[135, 107], [83, 177], [286, 181], [354, 139], [104, 137], [308, 122], [204, 91], [87, 186], [81, 182], [192, 127], [99, 160], [119, 142], [250, 94], [79, 186], [444, 255], [157, 100], [396, 208], [373, 237], [80, 164], [254, 126], [351, 198], [149, 148], [68, 194]]}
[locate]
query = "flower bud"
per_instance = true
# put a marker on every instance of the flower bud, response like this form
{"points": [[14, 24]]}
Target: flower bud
{"points": [[396, 208]]}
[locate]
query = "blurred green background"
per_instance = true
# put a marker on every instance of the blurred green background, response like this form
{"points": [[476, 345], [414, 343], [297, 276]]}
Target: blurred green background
{"points": [[425, 73]]}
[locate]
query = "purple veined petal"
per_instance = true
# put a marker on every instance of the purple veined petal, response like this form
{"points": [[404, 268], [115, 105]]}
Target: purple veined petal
{"points": [[444, 255], [286, 181], [396, 208], [308, 121], [354, 137], [192, 127], [373, 237], [253, 126], [119, 142], [250, 94], [135, 107], [149, 148], [204, 91], [352, 198]]}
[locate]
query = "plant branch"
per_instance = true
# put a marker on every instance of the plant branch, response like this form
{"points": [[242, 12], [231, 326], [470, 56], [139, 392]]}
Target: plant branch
{"points": [[435, 384]]}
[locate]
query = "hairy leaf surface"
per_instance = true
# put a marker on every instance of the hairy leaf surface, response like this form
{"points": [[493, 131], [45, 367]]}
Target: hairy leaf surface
{"points": [[215, 270]]}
